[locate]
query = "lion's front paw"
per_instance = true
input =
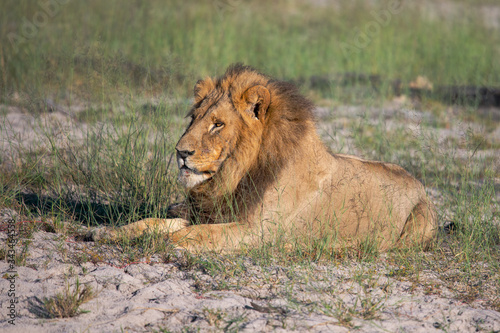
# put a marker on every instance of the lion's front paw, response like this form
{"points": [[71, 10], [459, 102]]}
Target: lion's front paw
{"points": [[136, 229], [99, 234]]}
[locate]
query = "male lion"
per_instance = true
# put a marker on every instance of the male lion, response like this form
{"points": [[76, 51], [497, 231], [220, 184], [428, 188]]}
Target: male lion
{"points": [[254, 166]]}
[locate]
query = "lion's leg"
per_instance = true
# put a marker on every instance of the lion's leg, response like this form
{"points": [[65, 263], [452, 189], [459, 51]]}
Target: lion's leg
{"points": [[219, 237], [138, 228], [420, 227]]}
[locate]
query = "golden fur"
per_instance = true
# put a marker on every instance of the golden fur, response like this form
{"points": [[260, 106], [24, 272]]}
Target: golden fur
{"points": [[254, 166]]}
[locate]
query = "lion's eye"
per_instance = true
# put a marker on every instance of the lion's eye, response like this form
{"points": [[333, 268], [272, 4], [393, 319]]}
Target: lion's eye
{"points": [[217, 125]]}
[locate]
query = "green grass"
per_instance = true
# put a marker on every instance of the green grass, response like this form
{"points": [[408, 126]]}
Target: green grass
{"points": [[67, 304], [102, 51], [132, 161]]}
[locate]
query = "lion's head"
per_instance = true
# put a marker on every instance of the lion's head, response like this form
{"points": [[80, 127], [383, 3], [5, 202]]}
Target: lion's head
{"points": [[227, 114], [244, 127]]}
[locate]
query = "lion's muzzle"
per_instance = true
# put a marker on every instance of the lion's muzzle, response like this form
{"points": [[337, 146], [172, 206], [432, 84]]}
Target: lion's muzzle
{"points": [[189, 176]]}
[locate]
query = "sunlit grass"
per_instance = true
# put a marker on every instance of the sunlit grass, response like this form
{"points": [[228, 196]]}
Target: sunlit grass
{"points": [[106, 50]]}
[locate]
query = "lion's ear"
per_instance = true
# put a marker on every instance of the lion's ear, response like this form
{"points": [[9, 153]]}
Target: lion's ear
{"points": [[202, 88], [258, 99]]}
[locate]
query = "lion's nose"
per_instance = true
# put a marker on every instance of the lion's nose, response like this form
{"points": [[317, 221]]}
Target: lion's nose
{"points": [[184, 153]]}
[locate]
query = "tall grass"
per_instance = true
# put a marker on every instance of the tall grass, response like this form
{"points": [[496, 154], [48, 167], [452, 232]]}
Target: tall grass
{"points": [[97, 49], [116, 172]]}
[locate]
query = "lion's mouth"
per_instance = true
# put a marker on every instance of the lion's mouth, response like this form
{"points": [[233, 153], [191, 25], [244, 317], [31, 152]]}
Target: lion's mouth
{"points": [[186, 169], [183, 167], [192, 177]]}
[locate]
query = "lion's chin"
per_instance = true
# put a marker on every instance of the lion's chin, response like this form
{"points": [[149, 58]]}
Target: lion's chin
{"points": [[190, 178]]}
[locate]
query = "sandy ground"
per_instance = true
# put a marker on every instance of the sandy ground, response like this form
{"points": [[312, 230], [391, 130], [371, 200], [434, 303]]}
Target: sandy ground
{"points": [[153, 295], [159, 294]]}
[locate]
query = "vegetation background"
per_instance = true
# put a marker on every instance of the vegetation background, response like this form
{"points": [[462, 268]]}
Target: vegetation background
{"points": [[97, 49]]}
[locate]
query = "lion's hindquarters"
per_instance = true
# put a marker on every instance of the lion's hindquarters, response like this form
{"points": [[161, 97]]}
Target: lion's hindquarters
{"points": [[380, 202], [421, 226]]}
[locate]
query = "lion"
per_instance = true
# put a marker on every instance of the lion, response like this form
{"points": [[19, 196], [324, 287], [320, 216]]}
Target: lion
{"points": [[253, 166]]}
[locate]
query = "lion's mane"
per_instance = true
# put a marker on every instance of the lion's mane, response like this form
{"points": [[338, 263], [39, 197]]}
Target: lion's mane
{"points": [[232, 193]]}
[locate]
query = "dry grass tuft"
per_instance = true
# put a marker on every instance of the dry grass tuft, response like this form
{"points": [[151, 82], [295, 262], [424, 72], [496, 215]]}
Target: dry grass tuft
{"points": [[67, 304]]}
